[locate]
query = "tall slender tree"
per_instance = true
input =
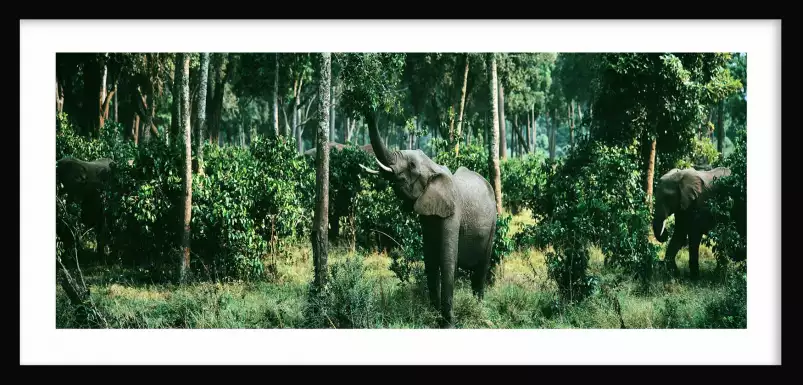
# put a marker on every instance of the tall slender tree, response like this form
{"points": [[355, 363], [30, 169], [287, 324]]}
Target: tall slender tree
{"points": [[494, 143], [183, 62], [320, 221], [201, 111]]}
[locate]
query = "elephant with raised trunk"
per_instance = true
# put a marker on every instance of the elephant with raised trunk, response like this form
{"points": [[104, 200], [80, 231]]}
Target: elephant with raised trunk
{"points": [[457, 213], [684, 193]]}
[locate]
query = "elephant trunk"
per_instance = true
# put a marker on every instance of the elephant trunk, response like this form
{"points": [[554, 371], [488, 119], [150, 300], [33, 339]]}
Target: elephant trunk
{"points": [[658, 228], [381, 152]]}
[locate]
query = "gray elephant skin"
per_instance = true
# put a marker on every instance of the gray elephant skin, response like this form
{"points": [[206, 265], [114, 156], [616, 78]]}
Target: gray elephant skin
{"points": [[457, 213], [684, 193], [83, 182]]}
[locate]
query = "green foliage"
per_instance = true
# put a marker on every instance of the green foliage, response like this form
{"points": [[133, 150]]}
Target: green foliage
{"points": [[109, 145], [653, 95], [503, 245], [704, 153], [383, 222], [248, 204], [345, 179], [347, 301], [473, 157], [729, 207], [369, 81], [522, 179], [593, 197]]}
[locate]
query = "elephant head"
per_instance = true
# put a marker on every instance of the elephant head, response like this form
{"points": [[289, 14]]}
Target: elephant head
{"points": [[81, 178], [681, 190], [415, 178]]}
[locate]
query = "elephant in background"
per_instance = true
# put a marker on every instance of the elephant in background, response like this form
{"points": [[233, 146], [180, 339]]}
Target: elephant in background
{"points": [[457, 213], [684, 194], [84, 182]]}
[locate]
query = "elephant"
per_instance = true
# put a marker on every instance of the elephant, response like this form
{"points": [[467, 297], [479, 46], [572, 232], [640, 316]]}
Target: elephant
{"points": [[684, 193], [83, 182], [457, 213]]}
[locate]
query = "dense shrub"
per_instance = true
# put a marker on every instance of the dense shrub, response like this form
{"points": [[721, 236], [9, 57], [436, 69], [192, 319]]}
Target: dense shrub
{"points": [[729, 207], [704, 153], [522, 179], [248, 203], [383, 221], [473, 157], [593, 196]]}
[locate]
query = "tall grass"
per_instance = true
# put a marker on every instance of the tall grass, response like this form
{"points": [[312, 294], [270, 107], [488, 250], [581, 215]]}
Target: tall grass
{"points": [[364, 293]]}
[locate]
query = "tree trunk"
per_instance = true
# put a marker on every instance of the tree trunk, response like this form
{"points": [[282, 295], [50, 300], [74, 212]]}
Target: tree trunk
{"points": [[514, 136], [579, 113], [176, 125], [494, 143], [215, 110], [571, 123], [320, 221], [116, 117], [533, 132], [501, 113], [468, 134], [201, 111], [184, 59], [522, 147], [650, 172], [528, 130], [104, 73], [462, 108], [297, 115], [551, 135], [276, 98], [332, 103], [212, 79], [721, 127], [135, 130], [59, 97], [103, 81]]}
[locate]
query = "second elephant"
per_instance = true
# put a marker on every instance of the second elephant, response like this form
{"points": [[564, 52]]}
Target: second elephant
{"points": [[84, 182], [684, 193]]}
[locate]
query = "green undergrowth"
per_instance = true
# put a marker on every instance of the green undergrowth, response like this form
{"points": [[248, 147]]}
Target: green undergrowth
{"points": [[364, 293]]}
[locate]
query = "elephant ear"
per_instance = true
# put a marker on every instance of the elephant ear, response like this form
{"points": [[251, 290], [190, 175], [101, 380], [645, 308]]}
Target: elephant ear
{"points": [[103, 170], [439, 197], [73, 174], [691, 187]]}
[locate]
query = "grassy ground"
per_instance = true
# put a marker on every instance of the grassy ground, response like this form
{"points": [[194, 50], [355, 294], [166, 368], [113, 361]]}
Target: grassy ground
{"points": [[366, 294]]}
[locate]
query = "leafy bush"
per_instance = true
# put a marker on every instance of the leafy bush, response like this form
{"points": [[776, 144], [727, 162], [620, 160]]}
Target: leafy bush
{"points": [[522, 179], [145, 200], [473, 157], [382, 221], [729, 207], [704, 153], [248, 203], [593, 196]]}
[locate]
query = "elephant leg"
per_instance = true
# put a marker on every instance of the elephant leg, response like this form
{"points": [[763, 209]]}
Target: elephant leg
{"points": [[448, 254], [481, 272], [448, 266], [675, 244], [432, 269], [478, 281], [694, 253]]}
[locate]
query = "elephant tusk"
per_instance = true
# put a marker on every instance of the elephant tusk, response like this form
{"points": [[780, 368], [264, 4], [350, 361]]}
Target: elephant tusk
{"points": [[369, 170], [663, 225], [386, 168]]}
